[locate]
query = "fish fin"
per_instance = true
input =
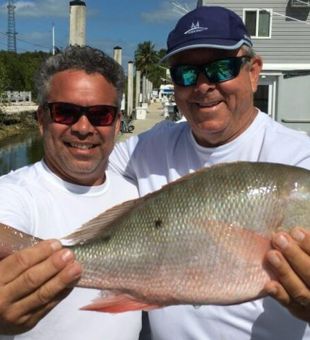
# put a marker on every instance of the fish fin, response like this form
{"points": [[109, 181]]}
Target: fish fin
{"points": [[118, 303], [12, 240], [105, 223], [236, 236], [232, 240], [100, 226]]}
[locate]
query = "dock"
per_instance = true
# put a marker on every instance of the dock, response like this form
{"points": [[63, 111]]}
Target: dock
{"points": [[153, 116]]}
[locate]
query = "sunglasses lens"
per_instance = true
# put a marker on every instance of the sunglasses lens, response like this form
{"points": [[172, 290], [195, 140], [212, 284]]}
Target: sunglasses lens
{"points": [[216, 72], [184, 75], [101, 115], [64, 113], [68, 114], [223, 70]]}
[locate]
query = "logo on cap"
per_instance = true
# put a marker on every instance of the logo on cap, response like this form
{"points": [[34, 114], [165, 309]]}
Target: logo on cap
{"points": [[195, 28]]}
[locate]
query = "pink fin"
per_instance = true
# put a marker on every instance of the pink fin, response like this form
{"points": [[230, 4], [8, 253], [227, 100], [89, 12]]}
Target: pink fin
{"points": [[118, 304]]}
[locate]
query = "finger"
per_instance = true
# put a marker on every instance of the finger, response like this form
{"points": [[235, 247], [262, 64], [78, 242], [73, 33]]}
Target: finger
{"points": [[297, 258], [300, 310], [274, 289], [43, 299], [291, 282], [302, 238], [14, 323], [53, 290], [32, 279], [12, 266]]}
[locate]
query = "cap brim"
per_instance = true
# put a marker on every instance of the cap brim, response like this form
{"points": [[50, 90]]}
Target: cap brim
{"points": [[209, 45]]}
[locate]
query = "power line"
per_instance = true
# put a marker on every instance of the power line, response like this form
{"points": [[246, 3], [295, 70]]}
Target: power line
{"points": [[2, 43], [33, 44], [29, 42], [11, 33]]}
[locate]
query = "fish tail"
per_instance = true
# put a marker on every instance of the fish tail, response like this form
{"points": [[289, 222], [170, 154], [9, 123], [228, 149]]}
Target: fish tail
{"points": [[118, 303], [12, 240]]}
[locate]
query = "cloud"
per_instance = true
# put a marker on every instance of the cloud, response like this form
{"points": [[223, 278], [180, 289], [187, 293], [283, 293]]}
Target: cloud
{"points": [[24, 5], [169, 10], [39, 8]]}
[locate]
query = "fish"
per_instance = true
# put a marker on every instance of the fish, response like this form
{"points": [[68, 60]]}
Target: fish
{"points": [[199, 240]]}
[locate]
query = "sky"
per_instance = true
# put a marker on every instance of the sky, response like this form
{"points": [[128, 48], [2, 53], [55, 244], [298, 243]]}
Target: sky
{"points": [[109, 23]]}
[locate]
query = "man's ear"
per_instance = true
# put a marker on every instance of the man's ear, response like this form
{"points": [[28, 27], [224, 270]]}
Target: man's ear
{"points": [[255, 69]]}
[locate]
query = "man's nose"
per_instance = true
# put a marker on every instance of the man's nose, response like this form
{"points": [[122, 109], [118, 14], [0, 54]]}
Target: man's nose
{"points": [[203, 83], [83, 126]]}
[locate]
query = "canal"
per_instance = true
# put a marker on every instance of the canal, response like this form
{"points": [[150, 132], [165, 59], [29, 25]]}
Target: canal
{"points": [[20, 150]]}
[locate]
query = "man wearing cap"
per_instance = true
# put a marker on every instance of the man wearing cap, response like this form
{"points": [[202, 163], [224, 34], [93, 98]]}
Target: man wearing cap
{"points": [[215, 72]]}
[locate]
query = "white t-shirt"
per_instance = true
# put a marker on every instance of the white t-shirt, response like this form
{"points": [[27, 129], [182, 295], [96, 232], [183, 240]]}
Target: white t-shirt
{"points": [[35, 200], [169, 151]]}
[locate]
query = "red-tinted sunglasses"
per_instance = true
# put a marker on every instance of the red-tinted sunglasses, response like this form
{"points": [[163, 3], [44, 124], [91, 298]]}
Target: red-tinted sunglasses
{"points": [[68, 114]]}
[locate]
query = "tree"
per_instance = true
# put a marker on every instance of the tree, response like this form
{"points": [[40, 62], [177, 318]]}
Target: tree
{"points": [[147, 61], [3, 79], [145, 57], [29, 64], [20, 69]]}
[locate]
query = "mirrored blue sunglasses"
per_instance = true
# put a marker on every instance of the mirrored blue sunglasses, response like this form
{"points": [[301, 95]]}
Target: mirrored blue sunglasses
{"points": [[216, 72]]}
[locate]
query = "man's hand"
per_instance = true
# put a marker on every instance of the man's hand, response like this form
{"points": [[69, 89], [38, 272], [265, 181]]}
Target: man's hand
{"points": [[32, 282], [290, 262]]}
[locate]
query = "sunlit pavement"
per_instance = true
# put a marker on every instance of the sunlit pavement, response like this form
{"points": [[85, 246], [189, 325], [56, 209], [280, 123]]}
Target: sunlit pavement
{"points": [[153, 116]]}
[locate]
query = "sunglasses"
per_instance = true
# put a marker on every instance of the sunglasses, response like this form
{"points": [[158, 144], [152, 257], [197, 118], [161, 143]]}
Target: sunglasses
{"points": [[217, 71], [68, 114]]}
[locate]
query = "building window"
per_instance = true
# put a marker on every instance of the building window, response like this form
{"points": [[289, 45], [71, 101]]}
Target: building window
{"points": [[258, 22], [300, 3]]}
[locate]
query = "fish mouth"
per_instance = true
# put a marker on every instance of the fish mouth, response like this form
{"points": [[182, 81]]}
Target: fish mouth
{"points": [[80, 146]]}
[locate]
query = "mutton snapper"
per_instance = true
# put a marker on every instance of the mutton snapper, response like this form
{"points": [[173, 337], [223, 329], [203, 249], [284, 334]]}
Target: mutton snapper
{"points": [[199, 240]]}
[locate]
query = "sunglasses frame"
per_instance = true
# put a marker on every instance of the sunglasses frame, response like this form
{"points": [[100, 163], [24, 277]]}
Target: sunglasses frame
{"points": [[82, 110], [238, 63]]}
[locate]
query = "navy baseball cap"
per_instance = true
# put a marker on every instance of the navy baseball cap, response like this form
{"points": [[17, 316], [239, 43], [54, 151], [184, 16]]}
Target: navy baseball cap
{"points": [[208, 27]]}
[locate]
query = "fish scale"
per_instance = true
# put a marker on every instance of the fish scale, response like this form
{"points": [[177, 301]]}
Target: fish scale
{"points": [[199, 240]]}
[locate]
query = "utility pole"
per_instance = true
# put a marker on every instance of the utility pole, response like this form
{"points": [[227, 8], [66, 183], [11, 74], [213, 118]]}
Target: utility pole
{"points": [[11, 27], [53, 39]]}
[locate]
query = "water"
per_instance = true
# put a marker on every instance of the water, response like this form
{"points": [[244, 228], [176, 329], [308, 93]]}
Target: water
{"points": [[20, 150]]}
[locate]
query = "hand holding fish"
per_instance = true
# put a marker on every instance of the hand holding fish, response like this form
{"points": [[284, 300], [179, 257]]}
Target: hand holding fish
{"points": [[291, 262], [32, 282]]}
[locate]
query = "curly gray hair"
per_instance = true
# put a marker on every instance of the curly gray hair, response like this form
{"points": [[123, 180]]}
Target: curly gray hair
{"points": [[86, 58]]}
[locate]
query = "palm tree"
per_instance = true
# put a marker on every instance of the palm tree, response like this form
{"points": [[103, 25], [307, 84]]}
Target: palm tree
{"points": [[145, 57], [147, 61]]}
